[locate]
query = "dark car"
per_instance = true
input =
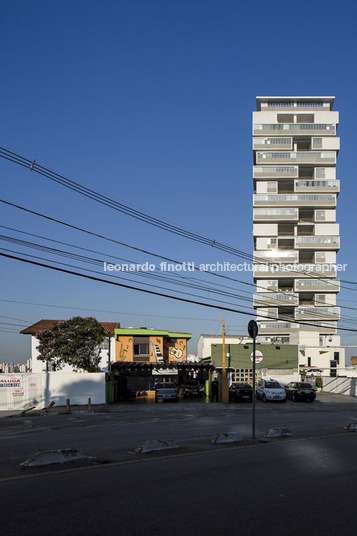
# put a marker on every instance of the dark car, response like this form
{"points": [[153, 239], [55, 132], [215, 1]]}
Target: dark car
{"points": [[192, 388], [240, 392], [300, 391], [166, 391]]}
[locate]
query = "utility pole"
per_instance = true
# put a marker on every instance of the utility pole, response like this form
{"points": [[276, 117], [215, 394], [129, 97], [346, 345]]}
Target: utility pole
{"points": [[225, 392]]}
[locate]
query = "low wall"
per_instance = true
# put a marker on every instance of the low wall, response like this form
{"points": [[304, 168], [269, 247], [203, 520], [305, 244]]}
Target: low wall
{"points": [[340, 385], [21, 391]]}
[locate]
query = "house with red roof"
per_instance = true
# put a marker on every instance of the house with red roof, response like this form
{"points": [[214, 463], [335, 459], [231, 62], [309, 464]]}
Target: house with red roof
{"points": [[107, 348]]}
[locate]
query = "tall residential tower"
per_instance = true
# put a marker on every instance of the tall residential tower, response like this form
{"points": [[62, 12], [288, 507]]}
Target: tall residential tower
{"points": [[296, 236]]}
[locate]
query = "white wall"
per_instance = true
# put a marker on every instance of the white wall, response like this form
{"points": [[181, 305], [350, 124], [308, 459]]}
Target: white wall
{"points": [[21, 391], [282, 376], [265, 229], [205, 341], [340, 385], [40, 366], [327, 229]]}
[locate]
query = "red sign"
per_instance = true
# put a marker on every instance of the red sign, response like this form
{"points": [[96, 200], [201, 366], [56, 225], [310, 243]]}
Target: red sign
{"points": [[258, 356]]}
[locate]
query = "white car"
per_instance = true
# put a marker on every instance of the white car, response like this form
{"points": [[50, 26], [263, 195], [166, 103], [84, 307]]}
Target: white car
{"points": [[270, 390]]}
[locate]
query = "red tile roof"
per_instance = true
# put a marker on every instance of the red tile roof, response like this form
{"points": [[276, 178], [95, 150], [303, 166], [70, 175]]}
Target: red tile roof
{"points": [[44, 325]]}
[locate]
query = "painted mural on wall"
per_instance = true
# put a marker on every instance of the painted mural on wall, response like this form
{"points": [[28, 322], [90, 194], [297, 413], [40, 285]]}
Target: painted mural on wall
{"points": [[156, 349], [123, 352], [176, 353]]}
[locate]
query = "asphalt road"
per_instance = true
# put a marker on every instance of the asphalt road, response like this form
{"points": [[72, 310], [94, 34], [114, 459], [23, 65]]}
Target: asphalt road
{"points": [[303, 484]]}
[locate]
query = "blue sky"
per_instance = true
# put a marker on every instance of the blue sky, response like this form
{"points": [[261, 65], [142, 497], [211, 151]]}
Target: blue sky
{"points": [[150, 102]]}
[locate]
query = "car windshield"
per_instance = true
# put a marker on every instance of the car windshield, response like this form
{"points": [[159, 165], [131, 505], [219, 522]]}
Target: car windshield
{"points": [[243, 386], [304, 385], [272, 385], [192, 383], [166, 386]]}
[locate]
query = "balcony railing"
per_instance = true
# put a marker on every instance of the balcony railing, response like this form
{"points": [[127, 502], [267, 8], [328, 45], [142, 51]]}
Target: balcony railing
{"points": [[310, 129], [275, 214], [300, 157], [262, 299], [317, 242], [317, 313], [274, 143], [277, 327], [275, 172], [301, 200], [317, 285], [317, 186], [273, 270], [277, 255]]}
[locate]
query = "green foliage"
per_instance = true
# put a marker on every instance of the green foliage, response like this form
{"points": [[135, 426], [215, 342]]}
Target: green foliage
{"points": [[74, 342], [318, 381]]}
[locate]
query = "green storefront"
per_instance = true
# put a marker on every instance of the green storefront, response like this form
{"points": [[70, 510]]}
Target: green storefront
{"points": [[282, 358]]}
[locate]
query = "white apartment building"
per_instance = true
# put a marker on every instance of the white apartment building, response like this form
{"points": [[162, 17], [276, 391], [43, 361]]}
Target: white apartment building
{"points": [[296, 237]]}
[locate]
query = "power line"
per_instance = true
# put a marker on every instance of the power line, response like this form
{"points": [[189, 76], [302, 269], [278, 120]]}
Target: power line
{"points": [[155, 293], [66, 224], [105, 311], [197, 285], [126, 209], [88, 259]]}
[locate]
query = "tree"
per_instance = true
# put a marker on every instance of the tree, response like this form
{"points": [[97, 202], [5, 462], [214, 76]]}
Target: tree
{"points": [[74, 342]]}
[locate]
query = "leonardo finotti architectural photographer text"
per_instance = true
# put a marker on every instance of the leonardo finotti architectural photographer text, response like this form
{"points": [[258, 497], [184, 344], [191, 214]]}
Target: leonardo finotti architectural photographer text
{"points": [[223, 267]]}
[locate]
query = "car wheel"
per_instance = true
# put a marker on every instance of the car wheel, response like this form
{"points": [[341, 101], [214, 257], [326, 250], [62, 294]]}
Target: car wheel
{"points": [[264, 398], [294, 399]]}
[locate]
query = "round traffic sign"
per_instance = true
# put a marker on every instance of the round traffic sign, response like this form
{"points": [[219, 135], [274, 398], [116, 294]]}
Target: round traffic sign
{"points": [[258, 356]]}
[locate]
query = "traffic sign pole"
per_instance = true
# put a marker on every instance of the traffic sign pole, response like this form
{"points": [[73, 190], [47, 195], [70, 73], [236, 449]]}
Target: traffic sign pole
{"points": [[253, 332], [253, 398]]}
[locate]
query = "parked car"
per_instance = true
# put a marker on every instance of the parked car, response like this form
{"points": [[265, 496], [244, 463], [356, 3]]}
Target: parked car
{"points": [[192, 388], [300, 391], [165, 391], [270, 390], [239, 392]]}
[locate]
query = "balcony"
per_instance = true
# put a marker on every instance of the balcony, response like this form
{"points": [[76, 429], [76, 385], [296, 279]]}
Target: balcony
{"points": [[272, 215], [271, 299], [277, 270], [273, 143], [317, 285], [294, 105], [276, 255], [296, 200], [277, 327], [275, 172], [317, 186], [317, 242], [317, 313], [298, 157], [295, 129]]}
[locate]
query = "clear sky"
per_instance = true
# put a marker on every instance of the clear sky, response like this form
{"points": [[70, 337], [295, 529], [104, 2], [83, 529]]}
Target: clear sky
{"points": [[150, 103]]}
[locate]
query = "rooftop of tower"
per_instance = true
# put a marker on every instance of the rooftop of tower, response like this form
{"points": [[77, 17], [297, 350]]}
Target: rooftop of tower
{"points": [[317, 102]]}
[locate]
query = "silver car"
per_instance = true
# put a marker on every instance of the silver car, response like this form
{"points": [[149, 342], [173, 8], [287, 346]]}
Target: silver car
{"points": [[270, 390], [165, 391]]}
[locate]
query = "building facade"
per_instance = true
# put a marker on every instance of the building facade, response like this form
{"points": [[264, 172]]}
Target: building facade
{"points": [[296, 237], [150, 346]]}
